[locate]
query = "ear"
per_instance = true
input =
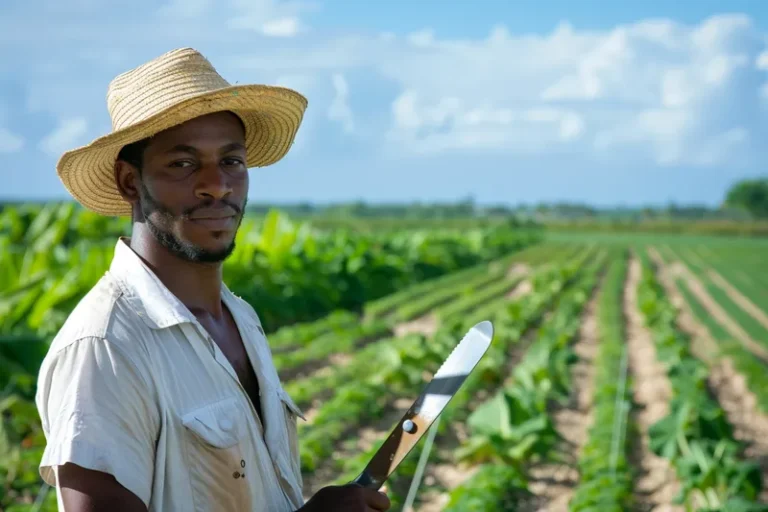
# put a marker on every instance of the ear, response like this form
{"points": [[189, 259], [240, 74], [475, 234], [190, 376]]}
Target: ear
{"points": [[126, 177]]}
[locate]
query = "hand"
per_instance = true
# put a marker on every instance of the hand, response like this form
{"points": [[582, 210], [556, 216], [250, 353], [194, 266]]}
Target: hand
{"points": [[347, 498]]}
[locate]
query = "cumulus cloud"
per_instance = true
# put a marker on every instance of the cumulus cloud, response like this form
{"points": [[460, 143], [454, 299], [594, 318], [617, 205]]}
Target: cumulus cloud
{"points": [[685, 95], [339, 109], [671, 93], [270, 17], [67, 135], [281, 27]]}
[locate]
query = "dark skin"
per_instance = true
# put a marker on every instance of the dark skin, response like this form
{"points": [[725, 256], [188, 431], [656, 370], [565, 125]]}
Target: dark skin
{"points": [[172, 191]]}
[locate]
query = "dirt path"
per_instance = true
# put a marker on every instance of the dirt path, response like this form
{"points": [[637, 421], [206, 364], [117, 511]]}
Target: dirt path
{"points": [[656, 484], [444, 474], [727, 386], [552, 483], [739, 298], [426, 325], [524, 287], [678, 269]]}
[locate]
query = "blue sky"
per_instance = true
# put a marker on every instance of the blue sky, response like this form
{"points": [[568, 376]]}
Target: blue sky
{"points": [[632, 103]]}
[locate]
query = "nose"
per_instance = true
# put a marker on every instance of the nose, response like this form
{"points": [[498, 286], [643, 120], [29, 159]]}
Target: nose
{"points": [[213, 183]]}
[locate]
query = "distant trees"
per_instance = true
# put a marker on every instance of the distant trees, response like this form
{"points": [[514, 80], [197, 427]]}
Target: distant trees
{"points": [[750, 196]]}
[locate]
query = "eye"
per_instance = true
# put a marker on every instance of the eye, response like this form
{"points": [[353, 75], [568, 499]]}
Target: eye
{"points": [[234, 161], [180, 163]]}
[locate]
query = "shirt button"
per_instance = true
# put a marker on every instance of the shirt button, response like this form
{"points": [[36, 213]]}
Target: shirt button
{"points": [[225, 423], [236, 474]]}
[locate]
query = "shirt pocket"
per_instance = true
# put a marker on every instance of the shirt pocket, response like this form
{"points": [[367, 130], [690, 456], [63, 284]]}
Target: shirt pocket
{"points": [[291, 413], [215, 448]]}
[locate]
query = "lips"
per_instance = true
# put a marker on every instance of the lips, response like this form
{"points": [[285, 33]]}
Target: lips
{"points": [[214, 218], [221, 224]]}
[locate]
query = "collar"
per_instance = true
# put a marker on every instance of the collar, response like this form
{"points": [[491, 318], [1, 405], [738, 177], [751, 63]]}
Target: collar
{"points": [[146, 294]]}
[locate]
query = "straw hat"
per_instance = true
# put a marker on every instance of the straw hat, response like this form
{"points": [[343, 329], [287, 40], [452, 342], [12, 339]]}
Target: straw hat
{"points": [[166, 91]]}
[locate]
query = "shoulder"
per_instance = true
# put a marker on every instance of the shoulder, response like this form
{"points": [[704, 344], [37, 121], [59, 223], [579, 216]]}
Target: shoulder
{"points": [[102, 314], [101, 343]]}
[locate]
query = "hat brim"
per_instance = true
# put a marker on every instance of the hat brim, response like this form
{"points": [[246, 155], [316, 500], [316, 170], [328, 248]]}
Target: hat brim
{"points": [[271, 115]]}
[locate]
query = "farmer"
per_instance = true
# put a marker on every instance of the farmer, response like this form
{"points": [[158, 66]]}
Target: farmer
{"points": [[159, 392]]}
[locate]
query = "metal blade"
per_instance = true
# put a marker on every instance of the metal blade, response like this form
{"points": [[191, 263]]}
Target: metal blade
{"points": [[428, 406]]}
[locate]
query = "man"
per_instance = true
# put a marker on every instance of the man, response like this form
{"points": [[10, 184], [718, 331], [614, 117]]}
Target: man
{"points": [[159, 392]]}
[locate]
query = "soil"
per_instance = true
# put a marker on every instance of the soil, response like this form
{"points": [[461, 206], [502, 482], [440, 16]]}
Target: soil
{"points": [[553, 483], [736, 296], [677, 269], [518, 269], [426, 325], [727, 386], [523, 288], [656, 484]]}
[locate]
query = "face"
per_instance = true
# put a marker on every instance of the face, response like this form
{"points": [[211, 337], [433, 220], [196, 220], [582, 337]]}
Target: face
{"points": [[193, 187]]}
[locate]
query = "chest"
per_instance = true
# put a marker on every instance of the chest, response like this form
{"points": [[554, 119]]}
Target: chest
{"points": [[227, 337], [210, 435]]}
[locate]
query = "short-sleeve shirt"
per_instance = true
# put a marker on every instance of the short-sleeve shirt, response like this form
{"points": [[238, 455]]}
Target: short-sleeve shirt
{"points": [[134, 386]]}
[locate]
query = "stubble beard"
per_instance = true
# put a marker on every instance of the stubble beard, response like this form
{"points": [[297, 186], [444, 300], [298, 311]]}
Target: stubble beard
{"points": [[180, 248]]}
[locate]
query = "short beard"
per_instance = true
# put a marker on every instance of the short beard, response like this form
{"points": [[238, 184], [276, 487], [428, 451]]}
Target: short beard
{"points": [[184, 250]]}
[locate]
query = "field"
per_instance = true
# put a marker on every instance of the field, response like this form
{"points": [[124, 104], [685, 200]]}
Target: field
{"points": [[627, 372]]}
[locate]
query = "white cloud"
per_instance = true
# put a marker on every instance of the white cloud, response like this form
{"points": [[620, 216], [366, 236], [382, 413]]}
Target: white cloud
{"points": [[281, 27], [67, 135], [339, 109], [677, 94], [655, 91], [270, 17], [451, 123], [9, 141]]}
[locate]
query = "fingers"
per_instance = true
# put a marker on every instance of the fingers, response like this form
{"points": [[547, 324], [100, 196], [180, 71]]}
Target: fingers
{"points": [[378, 501]]}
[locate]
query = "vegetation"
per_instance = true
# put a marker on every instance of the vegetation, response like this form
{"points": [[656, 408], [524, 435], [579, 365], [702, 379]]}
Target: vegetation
{"points": [[336, 295], [696, 435]]}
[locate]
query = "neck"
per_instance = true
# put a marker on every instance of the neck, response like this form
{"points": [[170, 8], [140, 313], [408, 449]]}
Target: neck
{"points": [[196, 285]]}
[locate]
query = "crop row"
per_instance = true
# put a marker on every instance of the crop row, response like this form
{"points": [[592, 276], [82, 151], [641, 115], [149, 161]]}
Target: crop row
{"points": [[605, 477], [695, 436], [346, 339], [407, 303], [303, 390], [754, 370], [514, 428], [387, 304], [756, 330], [509, 323]]}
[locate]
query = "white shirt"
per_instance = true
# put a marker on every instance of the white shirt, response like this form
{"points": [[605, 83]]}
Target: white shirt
{"points": [[134, 386]]}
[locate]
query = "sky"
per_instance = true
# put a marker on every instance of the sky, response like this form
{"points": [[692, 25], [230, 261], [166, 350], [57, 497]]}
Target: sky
{"points": [[610, 103]]}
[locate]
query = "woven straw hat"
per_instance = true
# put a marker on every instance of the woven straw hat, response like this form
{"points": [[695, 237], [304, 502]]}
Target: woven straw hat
{"points": [[164, 92]]}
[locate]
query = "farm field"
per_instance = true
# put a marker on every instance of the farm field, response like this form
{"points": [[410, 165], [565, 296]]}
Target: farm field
{"points": [[627, 372]]}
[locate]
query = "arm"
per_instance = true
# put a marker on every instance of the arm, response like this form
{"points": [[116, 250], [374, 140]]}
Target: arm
{"points": [[101, 422], [86, 490]]}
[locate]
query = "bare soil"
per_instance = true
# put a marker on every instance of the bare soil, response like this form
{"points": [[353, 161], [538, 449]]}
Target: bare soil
{"points": [[426, 325], [444, 474], [726, 384], [656, 484], [678, 269], [736, 296], [553, 483], [523, 288], [519, 269]]}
